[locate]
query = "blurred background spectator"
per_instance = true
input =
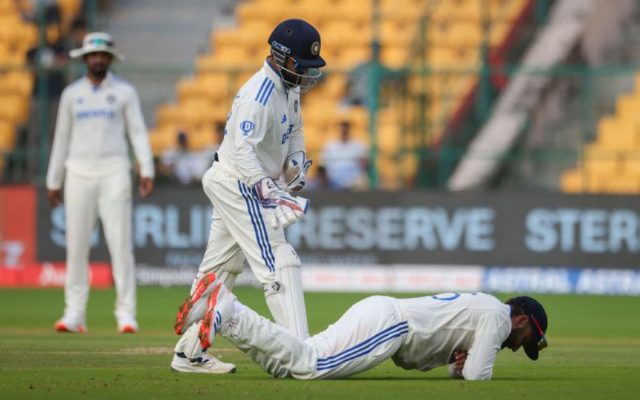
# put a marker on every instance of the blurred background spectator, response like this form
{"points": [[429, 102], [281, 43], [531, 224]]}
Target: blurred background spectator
{"points": [[345, 160], [182, 165]]}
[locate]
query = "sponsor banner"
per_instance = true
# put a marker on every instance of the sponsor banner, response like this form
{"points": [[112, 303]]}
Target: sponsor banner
{"points": [[562, 280], [432, 279], [51, 275], [391, 278], [17, 225], [389, 228], [369, 278], [146, 275]]}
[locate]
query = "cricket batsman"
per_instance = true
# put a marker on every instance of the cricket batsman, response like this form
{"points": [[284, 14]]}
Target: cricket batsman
{"points": [[261, 161], [464, 331], [90, 156]]}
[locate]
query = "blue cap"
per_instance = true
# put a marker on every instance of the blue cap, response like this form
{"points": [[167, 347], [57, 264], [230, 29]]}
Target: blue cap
{"points": [[300, 40]]}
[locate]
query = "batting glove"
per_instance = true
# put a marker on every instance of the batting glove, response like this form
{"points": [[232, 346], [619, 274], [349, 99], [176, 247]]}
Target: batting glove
{"points": [[295, 171], [284, 208]]}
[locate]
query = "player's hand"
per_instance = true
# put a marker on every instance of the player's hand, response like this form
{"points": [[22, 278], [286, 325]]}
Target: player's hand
{"points": [[295, 171], [284, 208], [55, 197], [146, 187], [459, 358]]}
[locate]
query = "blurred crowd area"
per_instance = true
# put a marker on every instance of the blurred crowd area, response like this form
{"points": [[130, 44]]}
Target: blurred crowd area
{"points": [[409, 85]]}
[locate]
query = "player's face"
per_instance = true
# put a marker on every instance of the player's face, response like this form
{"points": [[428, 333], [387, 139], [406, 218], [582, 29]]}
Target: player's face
{"points": [[98, 63], [521, 333], [296, 76]]}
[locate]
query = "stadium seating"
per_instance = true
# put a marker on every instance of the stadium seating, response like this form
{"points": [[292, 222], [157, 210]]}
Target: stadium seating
{"points": [[17, 37], [611, 164], [16, 83], [454, 33]]}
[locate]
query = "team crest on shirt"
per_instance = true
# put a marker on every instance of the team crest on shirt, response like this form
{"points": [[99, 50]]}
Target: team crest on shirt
{"points": [[247, 127], [295, 106], [80, 100], [111, 99]]}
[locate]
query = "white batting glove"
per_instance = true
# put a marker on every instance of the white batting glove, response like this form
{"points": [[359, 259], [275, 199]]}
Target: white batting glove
{"points": [[284, 208], [295, 171]]}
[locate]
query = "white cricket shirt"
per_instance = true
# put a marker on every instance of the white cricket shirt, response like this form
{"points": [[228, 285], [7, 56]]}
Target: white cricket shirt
{"points": [[90, 131], [442, 324], [263, 127]]}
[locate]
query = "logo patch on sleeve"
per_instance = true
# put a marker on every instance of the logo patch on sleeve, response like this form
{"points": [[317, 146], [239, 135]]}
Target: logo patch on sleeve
{"points": [[247, 127]]}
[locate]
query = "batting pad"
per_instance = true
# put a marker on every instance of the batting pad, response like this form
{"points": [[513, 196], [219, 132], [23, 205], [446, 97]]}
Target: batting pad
{"points": [[284, 296]]}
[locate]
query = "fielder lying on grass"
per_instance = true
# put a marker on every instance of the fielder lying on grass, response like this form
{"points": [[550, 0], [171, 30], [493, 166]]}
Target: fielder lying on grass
{"points": [[464, 330]]}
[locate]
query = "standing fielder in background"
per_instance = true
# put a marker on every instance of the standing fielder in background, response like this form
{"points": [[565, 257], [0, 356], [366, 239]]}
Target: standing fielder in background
{"points": [[251, 206], [464, 331], [90, 154]]}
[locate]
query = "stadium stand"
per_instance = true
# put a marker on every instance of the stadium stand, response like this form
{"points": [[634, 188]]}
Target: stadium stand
{"points": [[611, 163], [17, 36], [454, 32]]}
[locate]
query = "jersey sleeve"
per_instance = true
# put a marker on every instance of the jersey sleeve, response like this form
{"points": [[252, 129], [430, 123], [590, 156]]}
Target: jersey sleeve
{"points": [[252, 124], [138, 135], [492, 331], [61, 142], [297, 134]]}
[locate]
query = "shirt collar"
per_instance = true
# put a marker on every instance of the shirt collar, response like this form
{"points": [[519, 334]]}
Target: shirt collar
{"points": [[273, 75]]}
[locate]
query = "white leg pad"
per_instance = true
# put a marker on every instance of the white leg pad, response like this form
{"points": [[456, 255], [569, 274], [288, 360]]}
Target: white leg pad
{"points": [[284, 296]]}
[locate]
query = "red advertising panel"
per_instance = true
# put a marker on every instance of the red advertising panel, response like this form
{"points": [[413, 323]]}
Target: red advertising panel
{"points": [[51, 275], [17, 225]]}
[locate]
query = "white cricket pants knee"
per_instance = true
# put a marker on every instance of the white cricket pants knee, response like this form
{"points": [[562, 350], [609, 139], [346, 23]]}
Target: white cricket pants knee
{"points": [[110, 198], [370, 332], [240, 227]]}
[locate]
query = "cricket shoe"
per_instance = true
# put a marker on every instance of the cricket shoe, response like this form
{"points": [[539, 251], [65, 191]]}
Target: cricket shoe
{"points": [[194, 306], [219, 311], [204, 364], [68, 324], [127, 325]]}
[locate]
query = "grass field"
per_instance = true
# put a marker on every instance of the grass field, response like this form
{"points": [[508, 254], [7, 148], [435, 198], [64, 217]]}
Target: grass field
{"points": [[594, 353]]}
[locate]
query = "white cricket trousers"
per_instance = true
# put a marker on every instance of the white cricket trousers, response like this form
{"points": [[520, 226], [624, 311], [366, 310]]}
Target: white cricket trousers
{"points": [[370, 332], [240, 229], [108, 197]]}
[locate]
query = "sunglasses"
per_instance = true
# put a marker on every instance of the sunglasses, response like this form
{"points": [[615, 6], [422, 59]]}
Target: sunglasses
{"points": [[542, 342]]}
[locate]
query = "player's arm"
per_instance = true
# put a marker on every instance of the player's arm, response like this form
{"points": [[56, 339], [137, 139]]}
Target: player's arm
{"points": [[480, 358], [139, 137], [456, 364], [59, 150], [252, 124]]}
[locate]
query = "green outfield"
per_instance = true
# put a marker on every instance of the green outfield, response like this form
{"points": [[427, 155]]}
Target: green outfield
{"points": [[594, 353]]}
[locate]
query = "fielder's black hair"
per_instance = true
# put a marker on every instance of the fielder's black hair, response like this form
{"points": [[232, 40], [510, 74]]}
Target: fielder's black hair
{"points": [[515, 309]]}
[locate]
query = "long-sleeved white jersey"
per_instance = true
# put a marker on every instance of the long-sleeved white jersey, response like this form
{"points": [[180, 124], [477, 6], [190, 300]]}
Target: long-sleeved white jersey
{"points": [[90, 131], [263, 127], [442, 324]]}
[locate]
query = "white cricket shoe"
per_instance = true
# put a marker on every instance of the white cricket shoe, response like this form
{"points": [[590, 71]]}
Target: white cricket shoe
{"points": [[70, 324], [204, 364], [194, 307], [219, 310], [127, 325]]}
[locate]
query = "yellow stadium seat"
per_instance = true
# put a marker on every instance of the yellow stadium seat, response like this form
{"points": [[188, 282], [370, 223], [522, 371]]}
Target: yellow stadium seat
{"points": [[7, 136], [601, 162], [458, 10], [389, 138], [631, 163], [573, 181], [160, 141]]}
